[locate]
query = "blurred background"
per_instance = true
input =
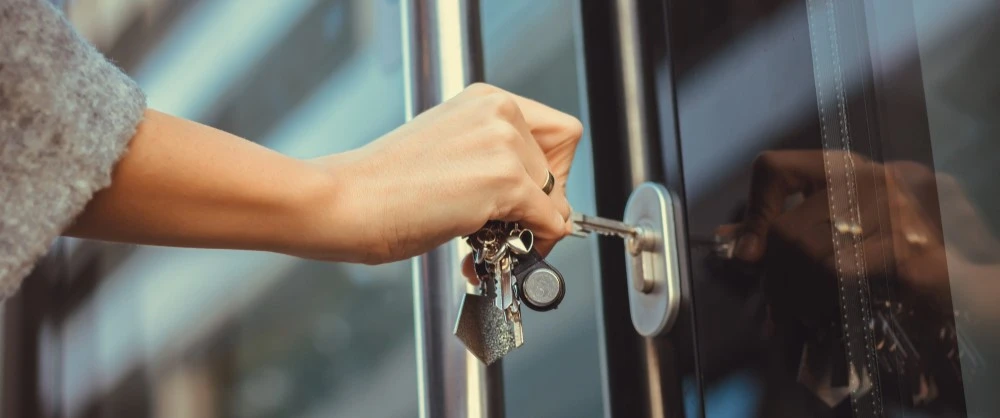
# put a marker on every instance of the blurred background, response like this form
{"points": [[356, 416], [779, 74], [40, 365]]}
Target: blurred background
{"points": [[107, 330]]}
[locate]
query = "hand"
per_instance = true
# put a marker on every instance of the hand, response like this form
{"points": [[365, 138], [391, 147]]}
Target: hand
{"points": [[483, 155], [899, 212]]}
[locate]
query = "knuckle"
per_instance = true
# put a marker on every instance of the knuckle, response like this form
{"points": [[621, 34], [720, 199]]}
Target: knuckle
{"points": [[480, 88], [503, 105], [510, 171], [503, 135], [573, 127], [503, 178]]}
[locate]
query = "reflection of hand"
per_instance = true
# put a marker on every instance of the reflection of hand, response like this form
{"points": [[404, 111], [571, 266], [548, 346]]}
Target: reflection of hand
{"points": [[481, 156], [897, 201]]}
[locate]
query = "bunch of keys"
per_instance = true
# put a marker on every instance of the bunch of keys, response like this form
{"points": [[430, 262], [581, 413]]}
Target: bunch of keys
{"points": [[511, 273]]}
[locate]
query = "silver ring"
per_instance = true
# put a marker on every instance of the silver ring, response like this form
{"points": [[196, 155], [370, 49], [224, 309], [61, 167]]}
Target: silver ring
{"points": [[550, 183]]}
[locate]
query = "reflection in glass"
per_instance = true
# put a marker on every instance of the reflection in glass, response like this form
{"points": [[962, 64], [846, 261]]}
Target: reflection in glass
{"points": [[843, 151]]}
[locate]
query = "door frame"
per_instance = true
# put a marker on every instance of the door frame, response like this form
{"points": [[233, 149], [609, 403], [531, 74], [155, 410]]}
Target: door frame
{"points": [[629, 78]]}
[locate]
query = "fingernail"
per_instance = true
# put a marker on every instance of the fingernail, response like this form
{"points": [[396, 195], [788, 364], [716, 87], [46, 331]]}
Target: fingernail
{"points": [[747, 246]]}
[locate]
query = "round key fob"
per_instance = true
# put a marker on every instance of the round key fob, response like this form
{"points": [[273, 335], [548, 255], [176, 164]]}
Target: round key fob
{"points": [[539, 285]]}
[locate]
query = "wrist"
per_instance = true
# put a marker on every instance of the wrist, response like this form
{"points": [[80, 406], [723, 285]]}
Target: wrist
{"points": [[325, 213]]}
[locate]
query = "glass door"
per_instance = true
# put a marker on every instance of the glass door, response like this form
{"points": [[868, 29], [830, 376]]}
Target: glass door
{"points": [[834, 162]]}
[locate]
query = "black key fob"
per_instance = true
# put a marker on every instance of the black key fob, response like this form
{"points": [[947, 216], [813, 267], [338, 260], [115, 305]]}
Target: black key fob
{"points": [[539, 285]]}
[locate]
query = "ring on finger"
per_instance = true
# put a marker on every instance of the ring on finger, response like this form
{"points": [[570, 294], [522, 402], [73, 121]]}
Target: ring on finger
{"points": [[550, 182]]}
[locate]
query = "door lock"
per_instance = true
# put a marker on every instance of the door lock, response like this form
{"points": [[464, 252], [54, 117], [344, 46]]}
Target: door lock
{"points": [[652, 269]]}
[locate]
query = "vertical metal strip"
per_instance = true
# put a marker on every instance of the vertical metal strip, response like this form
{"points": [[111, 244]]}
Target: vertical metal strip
{"points": [[639, 131], [442, 54], [845, 212], [633, 90]]}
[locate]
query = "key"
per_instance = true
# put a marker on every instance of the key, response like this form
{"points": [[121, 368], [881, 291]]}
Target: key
{"points": [[636, 238], [489, 324], [633, 235], [503, 274], [512, 311], [510, 272], [639, 242], [585, 224]]}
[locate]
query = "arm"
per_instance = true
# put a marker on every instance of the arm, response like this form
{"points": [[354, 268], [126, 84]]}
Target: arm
{"points": [[185, 184], [474, 158], [67, 116]]}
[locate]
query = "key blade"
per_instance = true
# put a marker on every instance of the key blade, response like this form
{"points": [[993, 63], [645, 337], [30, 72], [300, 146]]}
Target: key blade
{"points": [[585, 224], [504, 277], [514, 319]]}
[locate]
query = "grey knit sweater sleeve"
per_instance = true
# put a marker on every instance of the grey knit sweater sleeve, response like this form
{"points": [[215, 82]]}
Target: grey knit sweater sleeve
{"points": [[66, 116]]}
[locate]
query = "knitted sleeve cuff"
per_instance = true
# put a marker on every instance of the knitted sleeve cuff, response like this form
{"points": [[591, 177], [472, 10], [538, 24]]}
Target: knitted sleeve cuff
{"points": [[66, 117]]}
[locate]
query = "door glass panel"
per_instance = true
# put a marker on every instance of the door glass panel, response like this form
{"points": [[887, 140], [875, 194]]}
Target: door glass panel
{"points": [[856, 139], [531, 48]]}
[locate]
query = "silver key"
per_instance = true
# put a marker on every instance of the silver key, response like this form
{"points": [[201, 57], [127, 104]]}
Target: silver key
{"points": [[585, 224], [635, 237], [502, 273]]}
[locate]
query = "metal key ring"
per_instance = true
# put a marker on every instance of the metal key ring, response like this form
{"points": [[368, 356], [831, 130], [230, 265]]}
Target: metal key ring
{"points": [[550, 182]]}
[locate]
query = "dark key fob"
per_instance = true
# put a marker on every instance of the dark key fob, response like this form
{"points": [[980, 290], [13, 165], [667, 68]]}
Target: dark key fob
{"points": [[539, 285]]}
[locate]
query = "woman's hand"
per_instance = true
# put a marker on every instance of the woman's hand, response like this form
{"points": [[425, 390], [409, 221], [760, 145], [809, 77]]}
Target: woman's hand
{"points": [[483, 155]]}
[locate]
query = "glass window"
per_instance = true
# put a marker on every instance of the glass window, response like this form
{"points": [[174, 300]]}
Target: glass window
{"points": [[167, 332], [533, 49], [857, 139]]}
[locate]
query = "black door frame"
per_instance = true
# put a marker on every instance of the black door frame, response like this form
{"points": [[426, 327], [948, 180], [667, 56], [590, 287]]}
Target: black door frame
{"points": [[642, 376]]}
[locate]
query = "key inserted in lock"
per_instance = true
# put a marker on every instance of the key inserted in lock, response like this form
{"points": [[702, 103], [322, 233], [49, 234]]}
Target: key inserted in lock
{"points": [[651, 249], [654, 290]]}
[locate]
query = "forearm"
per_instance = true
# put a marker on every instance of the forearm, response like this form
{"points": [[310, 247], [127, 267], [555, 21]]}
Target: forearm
{"points": [[185, 184]]}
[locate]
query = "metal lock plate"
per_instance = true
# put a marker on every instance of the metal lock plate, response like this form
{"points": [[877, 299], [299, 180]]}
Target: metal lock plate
{"points": [[653, 274]]}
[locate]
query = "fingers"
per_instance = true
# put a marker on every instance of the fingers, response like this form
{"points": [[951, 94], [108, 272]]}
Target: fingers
{"points": [[537, 205], [775, 176], [558, 196], [544, 246], [545, 214], [536, 211], [542, 120], [807, 227], [552, 133], [535, 162], [469, 270]]}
